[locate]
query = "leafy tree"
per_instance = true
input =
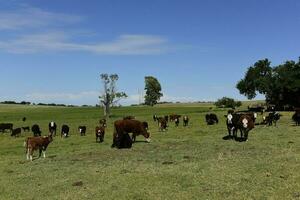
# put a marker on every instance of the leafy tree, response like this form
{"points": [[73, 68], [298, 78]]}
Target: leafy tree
{"points": [[153, 90], [227, 102], [280, 84], [110, 96]]}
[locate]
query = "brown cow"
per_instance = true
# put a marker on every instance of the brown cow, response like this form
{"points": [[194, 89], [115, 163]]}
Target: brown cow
{"points": [[172, 117], [37, 143], [162, 124], [245, 124], [100, 132], [123, 127]]}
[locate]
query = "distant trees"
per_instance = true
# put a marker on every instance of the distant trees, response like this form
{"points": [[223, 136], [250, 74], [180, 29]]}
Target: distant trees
{"points": [[280, 84], [110, 96], [227, 102], [153, 91]]}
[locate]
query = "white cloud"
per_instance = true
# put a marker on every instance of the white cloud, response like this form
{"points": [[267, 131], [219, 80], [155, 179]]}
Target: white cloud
{"points": [[30, 17], [59, 41]]}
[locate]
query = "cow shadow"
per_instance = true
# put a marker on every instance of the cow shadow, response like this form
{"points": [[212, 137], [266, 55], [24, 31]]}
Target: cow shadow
{"points": [[237, 139]]}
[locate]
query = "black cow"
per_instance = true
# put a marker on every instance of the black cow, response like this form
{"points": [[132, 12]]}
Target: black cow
{"points": [[26, 129], [36, 130], [296, 118], [16, 132], [155, 118], [52, 128], [82, 130], [6, 126], [211, 119], [273, 117], [24, 119], [65, 131], [176, 120]]}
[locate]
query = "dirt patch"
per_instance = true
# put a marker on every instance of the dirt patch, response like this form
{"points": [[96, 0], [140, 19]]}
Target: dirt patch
{"points": [[78, 184], [168, 163]]}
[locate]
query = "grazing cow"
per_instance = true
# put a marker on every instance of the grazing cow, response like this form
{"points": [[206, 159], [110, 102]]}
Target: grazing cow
{"points": [[211, 119], [176, 121], [16, 132], [172, 117], [26, 129], [273, 117], [162, 124], [129, 117], [65, 131], [82, 130], [37, 143], [100, 133], [102, 122], [52, 128], [6, 126], [186, 120], [123, 127], [36, 130], [296, 117]]}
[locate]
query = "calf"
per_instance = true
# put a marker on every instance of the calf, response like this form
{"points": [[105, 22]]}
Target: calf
{"points": [[155, 118], [16, 132], [102, 122], [185, 120], [82, 130], [211, 119], [52, 128], [162, 124], [273, 117], [172, 117], [231, 123], [65, 131], [245, 124], [36, 130], [100, 132], [176, 121], [6, 126], [37, 143], [26, 129]]}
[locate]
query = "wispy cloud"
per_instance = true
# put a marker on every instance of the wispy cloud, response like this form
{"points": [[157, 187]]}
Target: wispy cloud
{"points": [[30, 17], [40, 31], [59, 41]]}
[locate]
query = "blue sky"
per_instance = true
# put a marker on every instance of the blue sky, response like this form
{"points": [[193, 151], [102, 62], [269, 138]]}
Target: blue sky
{"points": [[55, 50]]}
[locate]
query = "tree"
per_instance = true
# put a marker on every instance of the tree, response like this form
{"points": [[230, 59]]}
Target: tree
{"points": [[227, 102], [110, 95], [280, 84], [153, 90]]}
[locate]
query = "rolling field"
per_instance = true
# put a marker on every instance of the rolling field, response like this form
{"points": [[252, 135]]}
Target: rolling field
{"points": [[183, 163]]}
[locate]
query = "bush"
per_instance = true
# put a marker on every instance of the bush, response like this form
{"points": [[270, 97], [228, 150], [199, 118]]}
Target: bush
{"points": [[227, 102]]}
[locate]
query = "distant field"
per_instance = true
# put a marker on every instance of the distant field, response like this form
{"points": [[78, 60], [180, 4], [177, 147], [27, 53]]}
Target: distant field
{"points": [[183, 163]]}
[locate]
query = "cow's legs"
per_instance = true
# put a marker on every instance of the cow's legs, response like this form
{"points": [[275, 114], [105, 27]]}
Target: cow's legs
{"points": [[44, 154], [27, 154]]}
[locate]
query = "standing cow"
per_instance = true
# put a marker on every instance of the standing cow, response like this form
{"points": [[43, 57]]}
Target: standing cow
{"points": [[185, 120], [82, 130], [100, 133], [296, 117], [36, 130], [52, 128], [211, 119], [37, 143], [124, 127], [176, 120], [162, 124], [65, 131]]}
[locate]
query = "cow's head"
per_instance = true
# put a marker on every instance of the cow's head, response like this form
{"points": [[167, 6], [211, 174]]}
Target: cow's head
{"points": [[102, 122], [146, 133], [229, 118]]}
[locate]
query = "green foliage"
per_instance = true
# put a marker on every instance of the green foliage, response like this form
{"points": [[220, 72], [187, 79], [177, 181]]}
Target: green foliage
{"points": [[280, 84], [153, 90], [227, 102]]}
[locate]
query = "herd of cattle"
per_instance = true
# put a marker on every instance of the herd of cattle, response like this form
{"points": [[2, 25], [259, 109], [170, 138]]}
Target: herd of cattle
{"points": [[235, 121]]}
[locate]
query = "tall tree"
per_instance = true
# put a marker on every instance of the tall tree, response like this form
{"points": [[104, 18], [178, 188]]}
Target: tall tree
{"points": [[153, 90], [280, 84], [110, 96]]}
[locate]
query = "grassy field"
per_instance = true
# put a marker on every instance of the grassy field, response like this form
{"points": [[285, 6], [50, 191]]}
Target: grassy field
{"points": [[183, 163]]}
